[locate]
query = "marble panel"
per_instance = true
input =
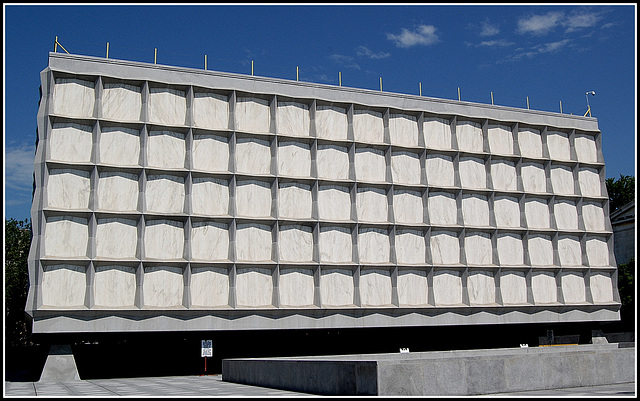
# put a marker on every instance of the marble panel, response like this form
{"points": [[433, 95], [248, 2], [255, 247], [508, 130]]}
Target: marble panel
{"points": [[116, 238], [121, 102], [253, 115], [472, 173], [335, 245], [405, 168], [534, 178], [601, 287], [210, 196], [569, 251], [296, 287], [530, 142], [209, 241], [68, 189], [254, 287], [500, 139], [120, 146], [447, 287], [481, 287], [114, 286], [63, 285], [66, 236], [407, 207], [413, 288], [562, 180], [253, 156], [537, 213], [469, 136], [593, 216], [403, 130], [294, 159], [510, 250], [331, 122], [558, 145], [506, 211], [410, 247], [167, 106], [585, 146], [368, 126], [372, 204], [118, 191], [166, 149], [478, 249], [209, 287], [442, 208], [374, 245], [71, 142], [336, 287], [589, 180], [210, 111], [295, 243], [544, 287], [293, 119], [597, 252], [165, 193], [503, 175], [164, 239], [573, 287], [437, 133], [210, 153], [253, 242], [332, 162], [294, 200], [162, 286], [445, 247], [73, 97], [253, 198], [439, 170], [334, 202], [475, 210], [513, 287], [375, 287], [566, 215], [370, 165], [540, 250]]}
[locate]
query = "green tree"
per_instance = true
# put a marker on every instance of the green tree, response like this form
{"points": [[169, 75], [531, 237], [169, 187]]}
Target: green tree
{"points": [[621, 191], [16, 250], [626, 279]]}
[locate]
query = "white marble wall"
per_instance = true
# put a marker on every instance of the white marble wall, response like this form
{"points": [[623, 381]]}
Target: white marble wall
{"points": [[166, 149], [510, 249], [601, 287], [252, 115], [210, 196], [253, 156], [336, 287], [481, 287], [439, 170], [374, 245], [403, 130], [296, 287], [445, 247], [478, 249], [407, 207], [116, 238], [68, 189], [506, 210], [118, 191], [368, 126], [66, 236], [534, 178], [167, 106], [165, 193], [537, 213], [469, 136], [331, 122], [573, 287], [530, 142], [585, 146], [413, 288], [410, 247], [164, 239], [558, 145], [500, 139], [334, 202], [513, 287], [472, 173], [593, 216], [254, 287], [63, 285], [210, 111], [253, 242], [163, 286], [540, 250], [503, 175], [447, 287], [569, 251], [120, 146], [332, 162], [121, 102], [566, 215], [295, 243], [73, 97], [443, 208], [294, 159], [114, 286], [372, 205], [253, 198], [437, 133], [335, 245], [562, 180], [209, 241], [544, 287], [210, 153], [597, 251], [370, 165], [294, 200], [375, 287], [475, 210], [209, 287], [293, 119], [589, 181], [71, 142], [405, 168]]}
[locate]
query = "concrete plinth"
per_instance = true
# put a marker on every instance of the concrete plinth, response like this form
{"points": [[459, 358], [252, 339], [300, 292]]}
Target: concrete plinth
{"points": [[60, 365]]}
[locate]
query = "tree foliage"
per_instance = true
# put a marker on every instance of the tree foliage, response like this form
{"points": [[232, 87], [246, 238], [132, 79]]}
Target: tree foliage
{"points": [[16, 250], [621, 191]]}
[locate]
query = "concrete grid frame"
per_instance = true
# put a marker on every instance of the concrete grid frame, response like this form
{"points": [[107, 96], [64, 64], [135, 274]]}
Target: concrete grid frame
{"points": [[170, 198]]}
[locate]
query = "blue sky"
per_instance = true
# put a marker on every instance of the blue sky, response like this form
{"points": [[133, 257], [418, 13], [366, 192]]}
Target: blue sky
{"points": [[550, 54]]}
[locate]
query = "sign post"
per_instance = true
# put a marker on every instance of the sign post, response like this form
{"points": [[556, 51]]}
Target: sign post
{"points": [[206, 350]]}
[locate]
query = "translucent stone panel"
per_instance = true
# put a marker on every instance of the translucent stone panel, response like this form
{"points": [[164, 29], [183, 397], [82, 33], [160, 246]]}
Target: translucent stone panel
{"points": [[63, 285], [210, 111], [295, 243], [331, 122], [164, 239], [442, 208], [209, 287], [447, 287], [209, 241], [163, 286], [503, 175], [478, 249], [405, 168], [253, 156], [253, 115], [296, 287], [165, 193], [368, 126], [337, 287], [534, 178], [597, 252], [71, 142], [544, 287], [407, 207], [530, 142], [166, 149], [445, 247], [481, 287], [372, 204], [439, 169], [566, 215], [506, 211], [335, 245], [403, 130], [370, 165], [437, 133], [116, 238], [469, 136], [513, 287], [121, 102], [373, 245], [293, 119], [253, 242], [332, 162], [118, 191], [114, 286], [254, 287], [66, 236], [410, 247], [573, 287], [589, 180], [167, 106], [510, 251], [586, 150], [558, 145], [472, 173], [294, 200], [540, 250], [375, 287], [562, 180], [210, 196], [120, 146], [73, 97], [537, 213], [475, 210], [500, 139], [569, 251], [601, 287], [593, 216], [413, 288], [68, 189], [210, 153], [253, 198], [294, 159], [334, 202]]}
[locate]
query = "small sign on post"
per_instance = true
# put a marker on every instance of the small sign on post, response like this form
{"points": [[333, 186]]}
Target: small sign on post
{"points": [[206, 350]]}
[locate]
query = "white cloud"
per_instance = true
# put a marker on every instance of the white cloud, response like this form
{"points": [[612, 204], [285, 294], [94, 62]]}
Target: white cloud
{"points": [[346, 61], [576, 21], [540, 24], [553, 46], [489, 30], [495, 43], [18, 163], [364, 51], [423, 35]]}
